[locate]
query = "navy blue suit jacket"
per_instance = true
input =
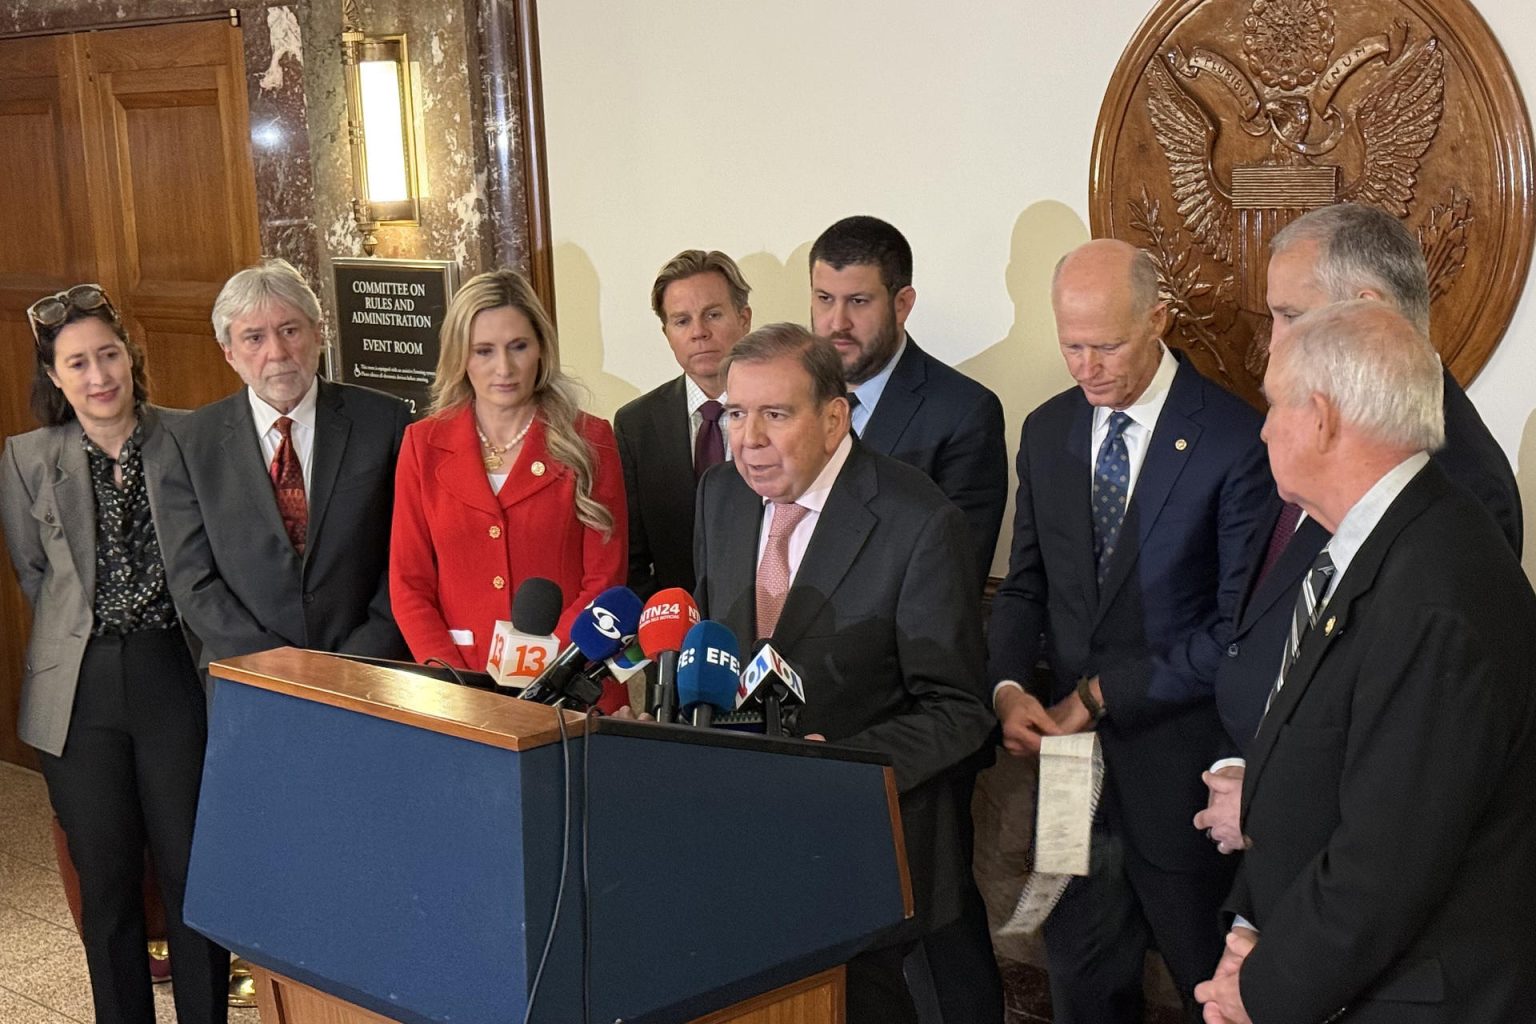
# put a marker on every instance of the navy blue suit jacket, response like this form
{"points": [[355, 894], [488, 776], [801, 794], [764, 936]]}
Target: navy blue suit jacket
{"points": [[934, 417], [1471, 458], [1155, 633]]}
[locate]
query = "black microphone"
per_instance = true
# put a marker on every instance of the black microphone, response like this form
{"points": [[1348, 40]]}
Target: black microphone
{"points": [[536, 606], [768, 680], [602, 630]]}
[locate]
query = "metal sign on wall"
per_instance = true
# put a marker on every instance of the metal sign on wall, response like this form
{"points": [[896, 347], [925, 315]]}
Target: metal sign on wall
{"points": [[1225, 121], [388, 315]]}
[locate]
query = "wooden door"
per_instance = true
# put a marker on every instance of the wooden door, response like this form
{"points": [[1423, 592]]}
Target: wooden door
{"points": [[127, 163]]}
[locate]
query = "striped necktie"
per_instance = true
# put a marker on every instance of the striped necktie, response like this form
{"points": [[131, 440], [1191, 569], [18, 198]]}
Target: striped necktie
{"points": [[1309, 605]]}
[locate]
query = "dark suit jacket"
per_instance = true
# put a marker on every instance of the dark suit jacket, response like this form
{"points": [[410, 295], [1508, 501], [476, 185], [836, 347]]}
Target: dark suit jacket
{"points": [[883, 624], [1388, 792], [48, 506], [652, 432], [934, 417], [1471, 457], [236, 579], [1155, 632]]}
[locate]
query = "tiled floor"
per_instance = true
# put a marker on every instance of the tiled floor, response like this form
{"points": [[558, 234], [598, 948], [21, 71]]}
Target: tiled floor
{"points": [[42, 965]]}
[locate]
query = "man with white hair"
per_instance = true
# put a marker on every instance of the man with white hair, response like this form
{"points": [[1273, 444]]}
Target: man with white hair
{"points": [[1387, 795], [277, 514], [1333, 254]]}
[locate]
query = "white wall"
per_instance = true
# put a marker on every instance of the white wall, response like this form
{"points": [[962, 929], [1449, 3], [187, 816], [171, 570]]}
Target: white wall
{"points": [[749, 127]]}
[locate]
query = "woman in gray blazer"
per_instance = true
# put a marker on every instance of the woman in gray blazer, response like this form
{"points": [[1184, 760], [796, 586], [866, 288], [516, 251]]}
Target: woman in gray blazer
{"points": [[110, 697]]}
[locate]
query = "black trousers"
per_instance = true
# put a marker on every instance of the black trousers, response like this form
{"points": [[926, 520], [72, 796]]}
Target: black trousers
{"points": [[129, 775], [877, 989], [1096, 940]]}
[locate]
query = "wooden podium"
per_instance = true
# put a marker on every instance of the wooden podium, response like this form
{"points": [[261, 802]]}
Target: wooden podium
{"points": [[383, 846]]}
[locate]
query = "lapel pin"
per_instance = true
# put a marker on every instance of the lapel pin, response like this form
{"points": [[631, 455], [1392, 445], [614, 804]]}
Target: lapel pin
{"points": [[1328, 626], [538, 469], [1180, 444]]}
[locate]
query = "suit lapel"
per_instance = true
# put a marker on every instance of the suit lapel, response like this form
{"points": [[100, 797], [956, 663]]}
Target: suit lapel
{"points": [[332, 428], [1333, 624], [1173, 443], [534, 470], [76, 501], [732, 562], [1075, 453], [1286, 574], [242, 453], [841, 531], [670, 428], [460, 470], [898, 403]]}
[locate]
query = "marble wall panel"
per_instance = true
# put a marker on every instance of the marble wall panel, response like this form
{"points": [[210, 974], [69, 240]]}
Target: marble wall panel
{"points": [[298, 123]]}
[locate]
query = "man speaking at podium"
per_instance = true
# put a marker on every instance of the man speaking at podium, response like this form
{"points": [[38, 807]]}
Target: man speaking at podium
{"points": [[859, 571]]}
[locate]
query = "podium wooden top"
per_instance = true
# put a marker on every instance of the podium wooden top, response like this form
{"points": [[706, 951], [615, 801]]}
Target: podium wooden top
{"points": [[480, 716]]}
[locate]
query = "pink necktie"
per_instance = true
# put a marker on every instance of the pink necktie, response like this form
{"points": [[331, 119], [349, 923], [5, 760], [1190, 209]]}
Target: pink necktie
{"points": [[773, 570]]}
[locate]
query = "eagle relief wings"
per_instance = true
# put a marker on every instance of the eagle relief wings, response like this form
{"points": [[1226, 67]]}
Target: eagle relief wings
{"points": [[1187, 135], [1397, 122]]}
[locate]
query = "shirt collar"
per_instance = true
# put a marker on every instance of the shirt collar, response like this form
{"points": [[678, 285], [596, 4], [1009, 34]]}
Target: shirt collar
{"points": [[303, 414], [696, 396], [870, 391], [1145, 410], [131, 444], [815, 496], [1364, 514]]}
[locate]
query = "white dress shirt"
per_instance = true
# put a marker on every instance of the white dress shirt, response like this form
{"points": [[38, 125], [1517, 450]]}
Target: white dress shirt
{"points": [[696, 397], [301, 434]]}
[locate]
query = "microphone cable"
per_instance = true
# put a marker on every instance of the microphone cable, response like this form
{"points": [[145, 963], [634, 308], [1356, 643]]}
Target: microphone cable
{"points": [[451, 670], [565, 858]]}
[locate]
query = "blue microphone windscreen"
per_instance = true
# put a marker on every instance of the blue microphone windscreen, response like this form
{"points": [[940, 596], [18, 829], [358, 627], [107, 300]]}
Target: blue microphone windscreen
{"points": [[708, 667], [608, 625]]}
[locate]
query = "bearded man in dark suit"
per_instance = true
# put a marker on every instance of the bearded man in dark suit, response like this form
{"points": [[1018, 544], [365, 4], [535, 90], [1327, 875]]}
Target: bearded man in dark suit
{"points": [[277, 506]]}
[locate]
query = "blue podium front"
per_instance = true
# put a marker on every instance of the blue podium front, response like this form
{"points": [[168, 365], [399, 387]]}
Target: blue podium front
{"points": [[401, 843]]}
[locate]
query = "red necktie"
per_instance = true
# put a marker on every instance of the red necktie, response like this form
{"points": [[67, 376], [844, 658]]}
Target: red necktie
{"points": [[708, 447], [288, 482], [773, 570], [1280, 539]]}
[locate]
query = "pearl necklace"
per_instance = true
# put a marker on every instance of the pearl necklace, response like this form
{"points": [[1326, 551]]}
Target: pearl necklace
{"points": [[493, 455]]}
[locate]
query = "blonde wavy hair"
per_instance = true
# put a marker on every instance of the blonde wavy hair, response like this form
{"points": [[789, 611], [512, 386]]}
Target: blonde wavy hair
{"points": [[556, 395]]}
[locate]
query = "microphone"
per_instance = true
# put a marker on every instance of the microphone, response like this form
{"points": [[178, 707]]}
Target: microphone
{"points": [[707, 671], [768, 680], [603, 629], [663, 626], [523, 648]]}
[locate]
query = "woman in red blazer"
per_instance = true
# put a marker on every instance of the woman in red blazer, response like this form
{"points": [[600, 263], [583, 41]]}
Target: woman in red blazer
{"points": [[507, 479]]}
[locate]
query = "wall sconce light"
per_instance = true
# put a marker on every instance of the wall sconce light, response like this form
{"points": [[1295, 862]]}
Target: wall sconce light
{"points": [[379, 130]]}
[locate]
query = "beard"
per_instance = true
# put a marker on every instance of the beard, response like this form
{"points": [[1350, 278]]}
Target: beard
{"points": [[874, 355]]}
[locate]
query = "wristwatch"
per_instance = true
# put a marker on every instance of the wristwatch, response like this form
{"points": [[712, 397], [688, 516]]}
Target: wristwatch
{"points": [[1085, 694]]}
